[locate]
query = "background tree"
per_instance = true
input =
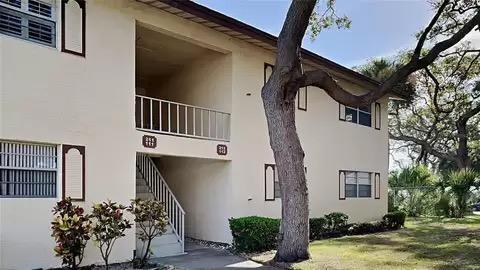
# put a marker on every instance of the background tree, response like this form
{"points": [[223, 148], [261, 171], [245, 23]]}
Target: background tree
{"points": [[410, 187], [460, 184], [278, 96], [443, 120]]}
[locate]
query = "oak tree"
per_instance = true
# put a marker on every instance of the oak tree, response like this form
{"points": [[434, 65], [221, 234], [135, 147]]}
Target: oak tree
{"points": [[278, 96]]}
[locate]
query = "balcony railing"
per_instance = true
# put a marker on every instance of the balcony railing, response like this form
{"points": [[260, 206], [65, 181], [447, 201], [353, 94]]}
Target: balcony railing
{"points": [[173, 118]]}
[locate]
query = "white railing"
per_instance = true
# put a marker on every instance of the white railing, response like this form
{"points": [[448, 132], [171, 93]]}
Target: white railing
{"points": [[167, 117], [158, 186]]}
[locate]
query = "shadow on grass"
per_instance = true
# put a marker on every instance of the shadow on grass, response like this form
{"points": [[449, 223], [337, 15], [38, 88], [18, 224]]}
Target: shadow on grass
{"points": [[442, 247], [468, 220]]}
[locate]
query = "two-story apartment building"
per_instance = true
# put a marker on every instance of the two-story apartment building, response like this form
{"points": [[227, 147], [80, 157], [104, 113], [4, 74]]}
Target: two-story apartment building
{"points": [[118, 99]]}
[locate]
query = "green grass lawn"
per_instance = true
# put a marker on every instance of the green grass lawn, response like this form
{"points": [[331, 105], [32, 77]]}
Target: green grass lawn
{"points": [[425, 243]]}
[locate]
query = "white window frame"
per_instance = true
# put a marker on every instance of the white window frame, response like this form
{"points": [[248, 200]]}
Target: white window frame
{"points": [[26, 160], [357, 183], [27, 16]]}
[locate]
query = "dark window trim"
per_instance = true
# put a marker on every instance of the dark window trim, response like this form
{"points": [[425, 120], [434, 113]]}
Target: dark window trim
{"points": [[378, 109], [340, 185], [81, 149], [345, 183], [82, 5], [377, 196], [265, 181], [265, 66], [358, 114], [273, 166], [340, 112], [306, 99]]}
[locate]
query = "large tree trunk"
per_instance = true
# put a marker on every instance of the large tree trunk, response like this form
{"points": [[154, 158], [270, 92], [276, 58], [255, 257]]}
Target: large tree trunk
{"points": [[288, 153], [278, 96]]}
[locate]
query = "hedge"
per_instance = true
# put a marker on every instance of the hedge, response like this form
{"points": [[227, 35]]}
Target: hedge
{"points": [[395, 220], [254, 233], [257, 234]]}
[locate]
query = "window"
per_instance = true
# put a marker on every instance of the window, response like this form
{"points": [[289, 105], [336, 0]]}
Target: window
{"points": [[359, 115], [30, 20], [28, 170], [302, 92], [356, 184], [13, 3], [267, 72], [272, 184]]}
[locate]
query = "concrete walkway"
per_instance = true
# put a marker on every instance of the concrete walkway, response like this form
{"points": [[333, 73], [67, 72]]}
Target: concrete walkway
{"points": [[200, 257]]}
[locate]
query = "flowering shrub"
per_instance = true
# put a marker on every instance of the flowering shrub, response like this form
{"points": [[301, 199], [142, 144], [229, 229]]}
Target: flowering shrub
{"points": [[71, 229], [151, 219], [108, 224]]}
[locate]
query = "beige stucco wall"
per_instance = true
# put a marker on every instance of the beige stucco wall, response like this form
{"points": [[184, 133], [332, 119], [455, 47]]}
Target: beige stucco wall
{"points": [[205, 82], [52, 97], [203, 188]]}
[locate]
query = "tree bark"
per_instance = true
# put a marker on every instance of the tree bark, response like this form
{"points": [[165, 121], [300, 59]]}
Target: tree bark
{"points": [[463, 158], [278, 97]]}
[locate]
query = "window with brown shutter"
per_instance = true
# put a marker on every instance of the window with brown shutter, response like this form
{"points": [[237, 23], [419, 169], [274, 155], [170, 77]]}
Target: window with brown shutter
{"points": [[73, 26], [73, 172]]}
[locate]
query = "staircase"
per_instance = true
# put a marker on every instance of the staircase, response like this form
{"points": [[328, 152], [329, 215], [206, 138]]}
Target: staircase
{"points": [[151, 185]]}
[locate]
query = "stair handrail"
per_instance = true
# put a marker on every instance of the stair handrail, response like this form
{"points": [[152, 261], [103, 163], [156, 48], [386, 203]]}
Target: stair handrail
{"points": [[147, 161]]}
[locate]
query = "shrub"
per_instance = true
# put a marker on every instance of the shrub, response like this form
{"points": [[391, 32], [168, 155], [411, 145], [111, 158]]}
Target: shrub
{"points": [[394, 220], [336, 221], [252, 234], [366, 227], [460, 183], [70, 228], [318, 226], [444, 207], [151, 219], [109, 224]]}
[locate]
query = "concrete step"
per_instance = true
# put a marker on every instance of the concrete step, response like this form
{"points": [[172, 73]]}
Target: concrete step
{"points": [[145, 195], [162, 246], [164, 239], [142, 189], [167, 250]]}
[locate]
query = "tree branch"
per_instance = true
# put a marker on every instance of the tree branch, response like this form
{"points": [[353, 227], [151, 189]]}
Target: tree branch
{"points": [[435, 93], [322, 79], [423, 37], [426, 146]]}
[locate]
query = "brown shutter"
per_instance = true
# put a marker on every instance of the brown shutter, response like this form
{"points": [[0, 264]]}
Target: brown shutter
{"points": [[377, 186], [267, 72], [73, 26], [341, 112], [378, 116], [302, 99], [341, 185], [269, 177], [73, 172]]}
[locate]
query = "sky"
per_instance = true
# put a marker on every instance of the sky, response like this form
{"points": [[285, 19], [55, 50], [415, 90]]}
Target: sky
{"points": [[379, 27]]}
